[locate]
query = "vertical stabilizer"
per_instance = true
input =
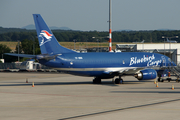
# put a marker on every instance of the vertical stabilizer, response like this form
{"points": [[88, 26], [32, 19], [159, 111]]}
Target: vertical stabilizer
{"points": [[47, 41]]}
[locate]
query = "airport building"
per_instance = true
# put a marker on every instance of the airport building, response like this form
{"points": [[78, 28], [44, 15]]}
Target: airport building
{"points": [[172, 50]]}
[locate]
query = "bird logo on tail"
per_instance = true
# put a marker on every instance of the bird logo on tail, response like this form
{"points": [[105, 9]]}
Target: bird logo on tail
{"points": [[45, 34]]}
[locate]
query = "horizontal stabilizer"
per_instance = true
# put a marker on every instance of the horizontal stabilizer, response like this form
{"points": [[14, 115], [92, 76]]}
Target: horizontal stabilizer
{"points": [[21, 55], [42, 56], [46, 57]]}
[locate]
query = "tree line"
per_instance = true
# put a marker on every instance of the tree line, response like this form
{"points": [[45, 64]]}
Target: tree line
{"points": [[28, 38], [25, 46], [86, 36]]}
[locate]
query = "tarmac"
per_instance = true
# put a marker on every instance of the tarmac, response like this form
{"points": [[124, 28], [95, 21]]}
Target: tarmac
{"points": [[62, 96]]}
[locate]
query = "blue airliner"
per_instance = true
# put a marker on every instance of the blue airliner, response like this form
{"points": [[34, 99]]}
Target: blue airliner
{"points": [[142, 65]]}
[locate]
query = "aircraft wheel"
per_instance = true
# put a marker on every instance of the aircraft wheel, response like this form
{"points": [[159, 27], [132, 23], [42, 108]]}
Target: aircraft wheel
{"points": [[159, 79], [169, 79], [121, 81], [117, 81]]}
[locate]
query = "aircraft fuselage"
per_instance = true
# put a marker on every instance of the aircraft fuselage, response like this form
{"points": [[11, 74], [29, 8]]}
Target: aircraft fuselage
{"points": [[101, 64]]}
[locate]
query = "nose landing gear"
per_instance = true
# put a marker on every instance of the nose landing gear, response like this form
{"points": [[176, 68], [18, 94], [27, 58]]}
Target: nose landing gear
{"points": [[97, 80]]}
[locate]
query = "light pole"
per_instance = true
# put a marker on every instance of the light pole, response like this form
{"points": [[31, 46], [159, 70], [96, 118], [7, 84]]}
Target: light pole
{"points": [[2, 54], [18, 50], [74, 43], [164, 44], [100, 39], [110, 29], [86, 43], [98, 44], [33, 45]]}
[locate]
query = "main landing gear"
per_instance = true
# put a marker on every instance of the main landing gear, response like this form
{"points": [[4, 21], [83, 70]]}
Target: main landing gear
{"points": [[118, 80]]}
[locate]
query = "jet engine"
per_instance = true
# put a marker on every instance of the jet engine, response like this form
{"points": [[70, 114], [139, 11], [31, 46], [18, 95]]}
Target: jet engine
{"points": [[146, 74]]}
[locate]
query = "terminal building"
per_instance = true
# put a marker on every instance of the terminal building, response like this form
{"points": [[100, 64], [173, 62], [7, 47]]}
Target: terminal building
{"points": [[172, 50]]}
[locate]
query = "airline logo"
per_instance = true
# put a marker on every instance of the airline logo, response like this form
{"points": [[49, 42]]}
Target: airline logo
{"points": [[45, 34], [151, 61]]}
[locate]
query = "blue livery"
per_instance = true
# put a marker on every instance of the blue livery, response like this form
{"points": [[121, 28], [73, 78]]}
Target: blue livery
{"points": [[142, 65]]}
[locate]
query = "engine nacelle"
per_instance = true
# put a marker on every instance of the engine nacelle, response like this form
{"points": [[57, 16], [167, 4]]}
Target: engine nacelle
{"points": [[146, 74]]}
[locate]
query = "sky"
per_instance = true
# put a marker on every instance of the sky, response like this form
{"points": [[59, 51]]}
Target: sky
{"points": [[90, 15]]}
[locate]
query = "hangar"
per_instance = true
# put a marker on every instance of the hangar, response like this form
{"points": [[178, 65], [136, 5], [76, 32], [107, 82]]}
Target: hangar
{"points": [[172, 50]]}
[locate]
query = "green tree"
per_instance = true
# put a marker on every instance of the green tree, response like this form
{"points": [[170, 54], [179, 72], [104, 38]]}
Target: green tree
{"points": [[6, 49], [26, 47]]}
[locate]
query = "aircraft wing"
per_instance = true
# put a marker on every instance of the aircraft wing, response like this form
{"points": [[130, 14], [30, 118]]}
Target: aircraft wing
{"points": [[125, 71], [132, 70], [21, 55]]}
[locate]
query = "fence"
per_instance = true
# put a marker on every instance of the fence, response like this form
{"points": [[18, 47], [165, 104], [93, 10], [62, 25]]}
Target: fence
{"points": [[10, 65], [20, 66]]}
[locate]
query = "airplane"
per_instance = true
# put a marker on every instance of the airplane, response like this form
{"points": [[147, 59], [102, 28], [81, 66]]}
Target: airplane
{"points": [[100, 65], [139, 42], [171, 41]]}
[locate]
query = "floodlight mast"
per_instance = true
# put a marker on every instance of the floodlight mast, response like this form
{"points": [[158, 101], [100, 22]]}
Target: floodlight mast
{"points": [[110, 30]]}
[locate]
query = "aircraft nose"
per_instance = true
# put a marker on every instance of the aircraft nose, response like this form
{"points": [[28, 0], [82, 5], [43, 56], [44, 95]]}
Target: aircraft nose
{"points": [[173, 64]]}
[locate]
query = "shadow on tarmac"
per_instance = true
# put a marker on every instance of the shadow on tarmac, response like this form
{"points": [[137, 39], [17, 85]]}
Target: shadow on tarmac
{"points": [[160, 88], [56, 83], [108, 83], [146, 91], [119, 109]]}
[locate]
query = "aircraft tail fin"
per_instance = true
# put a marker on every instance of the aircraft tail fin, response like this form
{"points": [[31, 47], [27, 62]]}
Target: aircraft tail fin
{"points": [[47, 41], [142, 41]]}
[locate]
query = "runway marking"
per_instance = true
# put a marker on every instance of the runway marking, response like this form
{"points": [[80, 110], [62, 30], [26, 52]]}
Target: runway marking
{"points": [[120, 109]]}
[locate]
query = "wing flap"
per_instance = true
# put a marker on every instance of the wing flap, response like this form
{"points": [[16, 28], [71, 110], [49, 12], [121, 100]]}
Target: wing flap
{"points": [[125, 71]]}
